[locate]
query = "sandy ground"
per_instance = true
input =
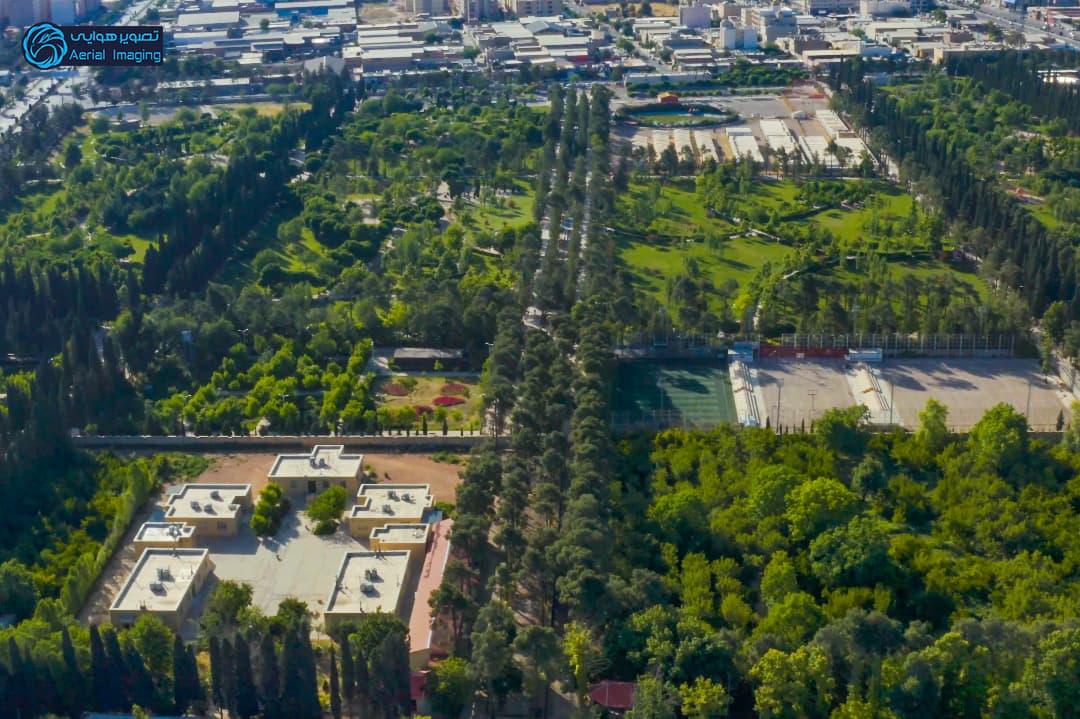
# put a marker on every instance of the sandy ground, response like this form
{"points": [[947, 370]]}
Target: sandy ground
{"points": [[238, 468], [421, 469]]}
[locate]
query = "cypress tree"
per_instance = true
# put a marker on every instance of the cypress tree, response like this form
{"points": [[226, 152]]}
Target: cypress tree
{"points": [[311, 708], [348, 674], [99, 671], [292, 676], [228, 675], [247, 703], [22, 679], [445, 426], [423, 423], [195, 688], [181, 683], [73, 682], [118, 678], [216, 669], [363, 680], [140, 681], [269, 677], [335, 694], [187, 690]]}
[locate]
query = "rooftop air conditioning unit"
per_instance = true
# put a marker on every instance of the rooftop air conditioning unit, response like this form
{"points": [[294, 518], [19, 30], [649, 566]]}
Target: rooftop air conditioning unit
{"points": [[367, 588], [407, 497], [374, 573], [367, 574], [215, 495], [195, 505], [387, 509], [209, 509], [157, 588], [393, 494], [163, 574]]}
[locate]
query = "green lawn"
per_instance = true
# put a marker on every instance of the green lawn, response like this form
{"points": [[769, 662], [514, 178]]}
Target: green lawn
{"points": [[890, 204], [737, 259], [514, 211]]}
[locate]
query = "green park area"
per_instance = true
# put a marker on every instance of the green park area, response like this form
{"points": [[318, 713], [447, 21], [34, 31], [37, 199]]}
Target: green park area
{"points": [[669, 230], [403, 399]]}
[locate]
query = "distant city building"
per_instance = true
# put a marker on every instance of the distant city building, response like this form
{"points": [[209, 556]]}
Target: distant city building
{"points": [[85, 8], [696, 15], [730, 36], [535, 8], [878, 8], [774, 23], [814, 7], [62, 12], [427, 7]]}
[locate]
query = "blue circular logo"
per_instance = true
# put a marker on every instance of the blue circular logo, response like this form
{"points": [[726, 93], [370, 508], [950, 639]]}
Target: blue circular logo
{"points": [[45, 46]]}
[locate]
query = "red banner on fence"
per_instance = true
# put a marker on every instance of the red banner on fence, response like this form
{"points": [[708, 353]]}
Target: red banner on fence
{"points": [[775, 352]]}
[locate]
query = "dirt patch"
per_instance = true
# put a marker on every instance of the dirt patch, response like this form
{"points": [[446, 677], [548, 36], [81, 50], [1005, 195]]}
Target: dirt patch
{"points": [[420, 469], [238, 468]]}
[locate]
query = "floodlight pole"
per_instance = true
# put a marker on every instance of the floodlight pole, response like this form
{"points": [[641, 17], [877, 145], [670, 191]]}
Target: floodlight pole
{"points": [[779, 390], [812, 393]]}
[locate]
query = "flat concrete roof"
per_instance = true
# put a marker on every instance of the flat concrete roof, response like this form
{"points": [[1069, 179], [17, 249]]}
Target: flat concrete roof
{"points": [[199, 19], [389, 501], [402, 533], [325, 460], [164, 531], [382, 591], [198, 501], [160, 580]]}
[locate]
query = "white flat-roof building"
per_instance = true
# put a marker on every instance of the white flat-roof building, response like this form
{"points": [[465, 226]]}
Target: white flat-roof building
{"points": [[368, 582], [324, 467], [379, 504], [165, 535], [164, 582], [208, 20], [213, 509], [410, 537]]}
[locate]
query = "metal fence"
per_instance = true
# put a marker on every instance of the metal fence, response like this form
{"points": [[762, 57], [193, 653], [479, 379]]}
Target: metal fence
{"points": [[901, 345]]}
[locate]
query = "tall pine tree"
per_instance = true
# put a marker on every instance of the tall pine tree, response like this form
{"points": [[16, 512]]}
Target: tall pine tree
{"points": [[269, 678], [335, 693], [348, 674], [247, 703], [74, 684], [99, 672], [228, 675], [216, 673], [119, 679], [140, 681]]}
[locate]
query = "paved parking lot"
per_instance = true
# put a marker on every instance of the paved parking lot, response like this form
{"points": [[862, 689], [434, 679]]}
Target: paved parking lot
{"points": [[295, 563]]}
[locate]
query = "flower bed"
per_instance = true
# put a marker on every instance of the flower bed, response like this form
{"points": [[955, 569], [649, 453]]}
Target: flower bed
{"points": [[445, 401], [395, 390], [422, 409], [454, 388]]}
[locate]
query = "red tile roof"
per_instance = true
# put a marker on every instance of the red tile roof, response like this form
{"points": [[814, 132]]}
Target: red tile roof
{"points": [[613, 695]]}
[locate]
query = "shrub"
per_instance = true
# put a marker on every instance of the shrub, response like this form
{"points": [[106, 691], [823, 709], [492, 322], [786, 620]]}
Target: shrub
{"points": [[422, 409], [445, 401], [269, 511], [329, 505], [408, 383], [325, 526], [395, 390], [454, 388]]}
